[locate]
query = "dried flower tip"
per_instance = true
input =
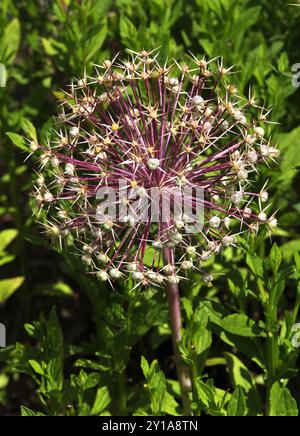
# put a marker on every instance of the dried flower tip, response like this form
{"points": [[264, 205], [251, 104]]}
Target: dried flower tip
{"points": [[259, 132], [103, 258], [247, 212], [191, 251], [132, 267], [207, 278], [33, 146], [264, 196], [173, 280], [250, 139], [252, 157], [237, 197], [48, 197], [62, 214], [198, 100], [115, 274], [87, 249], [215, 222], [228, 240], [262, 216], [138, 276], [74, 132], [227, 222], [153, 164], [186, 265], [40, 181], [87, 260], [102, 276], [272, 223]]}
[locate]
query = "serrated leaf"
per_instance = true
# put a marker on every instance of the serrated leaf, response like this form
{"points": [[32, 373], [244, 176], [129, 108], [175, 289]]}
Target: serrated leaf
{"points": [[237, 403], [28, 412], [91, 381], [156, 384], [55, 352], [281, 402], [128, 31], [239, 373], [101, 402], [188, 307], [205, 393], [241, 325]]}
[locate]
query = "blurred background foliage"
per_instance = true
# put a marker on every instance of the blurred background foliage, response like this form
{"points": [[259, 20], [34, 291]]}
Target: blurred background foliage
{"points": [[84, 357]]}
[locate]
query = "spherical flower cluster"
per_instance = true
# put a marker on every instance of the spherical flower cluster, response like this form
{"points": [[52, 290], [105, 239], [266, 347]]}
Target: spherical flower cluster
{"points": [[167, 127]]}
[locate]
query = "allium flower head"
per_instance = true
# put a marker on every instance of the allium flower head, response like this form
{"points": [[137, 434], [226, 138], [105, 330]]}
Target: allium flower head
{"points": [[139, 127]]}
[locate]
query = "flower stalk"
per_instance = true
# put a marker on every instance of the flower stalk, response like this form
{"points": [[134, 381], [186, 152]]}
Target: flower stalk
{"points": [[173, 296]]}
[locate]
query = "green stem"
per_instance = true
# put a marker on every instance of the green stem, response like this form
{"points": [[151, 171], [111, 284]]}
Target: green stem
{"points": [[271, 348], [194, 375], [296, 308], [122, 397]]}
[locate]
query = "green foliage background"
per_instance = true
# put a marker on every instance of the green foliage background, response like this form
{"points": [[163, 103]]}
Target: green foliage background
{"points": [[80, 350]]}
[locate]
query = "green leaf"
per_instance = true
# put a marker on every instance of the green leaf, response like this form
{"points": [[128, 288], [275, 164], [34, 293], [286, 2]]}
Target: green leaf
{"points": [[156, 384], [6, 259], [275, 258], [6, 237], [49, 47], [145, 366], [205, 393], [95, 42], [28, 412], [256, 264], [237, 403], [18, 140], [91, 364], [59, 288], [92, 380], [188, 307], [62, 288], [128, 31], [289, 144], [240, 325], [29, 129], [11, 40], [9, 286], [210, 399], [101, 402], [239, 373], [281, 402], [150, 255], [36, 367], [170, 405], [55, 352]]}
